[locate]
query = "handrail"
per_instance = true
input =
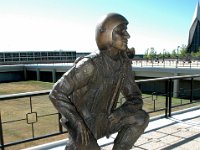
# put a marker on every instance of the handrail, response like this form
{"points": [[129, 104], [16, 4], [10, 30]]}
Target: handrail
{"points": [[169, 78], [22, 95]]}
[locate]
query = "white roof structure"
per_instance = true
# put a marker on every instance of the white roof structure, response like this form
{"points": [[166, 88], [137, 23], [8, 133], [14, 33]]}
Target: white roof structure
{"points": [[194, 33], [196, 13]]}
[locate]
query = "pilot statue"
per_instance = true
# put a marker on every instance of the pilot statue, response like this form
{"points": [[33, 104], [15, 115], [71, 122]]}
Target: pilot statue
{"points": [[86, 95]]}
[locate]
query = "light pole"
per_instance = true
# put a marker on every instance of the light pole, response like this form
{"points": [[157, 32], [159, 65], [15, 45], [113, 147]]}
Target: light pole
{"points": [[164, 58], [177, 53]]}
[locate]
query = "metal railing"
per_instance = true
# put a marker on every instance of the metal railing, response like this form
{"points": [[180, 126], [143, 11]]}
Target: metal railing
{"points": [[31, 112], [31, 116], [167, 63], [163, 92]]}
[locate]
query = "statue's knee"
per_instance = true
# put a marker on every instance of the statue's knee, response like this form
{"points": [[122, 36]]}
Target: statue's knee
{"points": [[142, 118], [146, 120]]}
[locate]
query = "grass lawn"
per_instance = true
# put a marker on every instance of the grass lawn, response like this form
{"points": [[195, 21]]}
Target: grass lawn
{"points": [[24, 86]]}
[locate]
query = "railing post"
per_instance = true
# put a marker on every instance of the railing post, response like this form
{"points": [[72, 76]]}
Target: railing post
{"points": [[166, 98], [154, 101], [139, 86], [1, 134], [170, 97], [191, 90]]}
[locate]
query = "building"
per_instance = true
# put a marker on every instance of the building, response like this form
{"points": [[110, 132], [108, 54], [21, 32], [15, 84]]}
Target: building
{"points": [[194, 33], [38, 57], [31, 57]]}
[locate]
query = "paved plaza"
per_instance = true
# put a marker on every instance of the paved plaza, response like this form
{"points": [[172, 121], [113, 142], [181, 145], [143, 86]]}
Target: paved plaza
{"points": [[179, 132]]}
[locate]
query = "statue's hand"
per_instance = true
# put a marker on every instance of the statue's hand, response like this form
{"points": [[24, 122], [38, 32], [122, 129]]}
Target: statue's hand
{"points": [[90, 122], [114, 118], [83, 133]]}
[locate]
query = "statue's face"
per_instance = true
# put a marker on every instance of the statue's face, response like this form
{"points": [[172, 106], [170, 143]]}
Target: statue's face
{"points": [[120, 37]]}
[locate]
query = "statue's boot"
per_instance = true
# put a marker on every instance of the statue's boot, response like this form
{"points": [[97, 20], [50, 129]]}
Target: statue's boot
{"points": [[92, 145]]}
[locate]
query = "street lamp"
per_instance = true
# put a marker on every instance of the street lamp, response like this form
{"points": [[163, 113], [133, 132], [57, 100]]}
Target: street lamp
{"points": [[164, 58], [163, 55], [177, 53]]}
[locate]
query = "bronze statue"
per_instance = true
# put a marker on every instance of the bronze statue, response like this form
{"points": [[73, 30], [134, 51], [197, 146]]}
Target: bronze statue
{"points": [[86, 95]]}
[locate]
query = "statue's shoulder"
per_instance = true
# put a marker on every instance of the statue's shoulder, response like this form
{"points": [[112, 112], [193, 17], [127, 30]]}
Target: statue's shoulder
{"points": [[91, 58], [86, 63]]}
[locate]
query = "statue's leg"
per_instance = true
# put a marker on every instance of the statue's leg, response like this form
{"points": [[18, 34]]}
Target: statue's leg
{"points": [[130, 129], [74, 143], [70, 144], [91, 146]]}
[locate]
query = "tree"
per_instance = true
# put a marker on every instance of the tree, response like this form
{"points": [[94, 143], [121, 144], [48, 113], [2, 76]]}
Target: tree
{"points": [[196, 55], [174, 54], [167, 54], [152, 53], [160, 55], [146, 54], [183, 52]]}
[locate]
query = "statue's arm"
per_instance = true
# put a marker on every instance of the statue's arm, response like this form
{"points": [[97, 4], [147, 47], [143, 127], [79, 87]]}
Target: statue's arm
{"points": [[74, 79], [133, 97], [131, 91]]}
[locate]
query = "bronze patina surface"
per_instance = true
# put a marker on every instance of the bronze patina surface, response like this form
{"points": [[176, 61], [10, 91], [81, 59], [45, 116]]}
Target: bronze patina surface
{"points": [[87, 94]]}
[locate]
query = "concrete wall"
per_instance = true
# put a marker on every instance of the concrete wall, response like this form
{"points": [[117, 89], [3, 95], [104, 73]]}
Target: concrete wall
{"points": [[51, 73], [11, 73], [11, 76]]}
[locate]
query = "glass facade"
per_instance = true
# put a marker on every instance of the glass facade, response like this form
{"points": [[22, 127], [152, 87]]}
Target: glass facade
{"points": [[37, 57]]}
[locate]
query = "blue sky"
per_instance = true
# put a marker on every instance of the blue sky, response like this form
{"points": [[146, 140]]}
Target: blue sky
{"points": [[70, 24]]}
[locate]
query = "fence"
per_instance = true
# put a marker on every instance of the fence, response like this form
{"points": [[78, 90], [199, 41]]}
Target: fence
{"points": [[26, 117], [167, 63], [163, 95], [30, 116]]}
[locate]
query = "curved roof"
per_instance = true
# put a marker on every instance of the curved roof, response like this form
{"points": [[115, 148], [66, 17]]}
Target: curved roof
{"points": [[195, 20], [196, 13]]}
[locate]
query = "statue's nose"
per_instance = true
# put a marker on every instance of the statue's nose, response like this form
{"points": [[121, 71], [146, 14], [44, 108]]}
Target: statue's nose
{"points": [[127, 35]]}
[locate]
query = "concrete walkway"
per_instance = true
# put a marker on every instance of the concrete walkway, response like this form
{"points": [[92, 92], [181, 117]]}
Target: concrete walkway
{"points": [[179, 132]]}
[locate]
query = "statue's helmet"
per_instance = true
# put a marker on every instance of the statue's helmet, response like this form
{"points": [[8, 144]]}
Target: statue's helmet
{"points": [[105, 29]]}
